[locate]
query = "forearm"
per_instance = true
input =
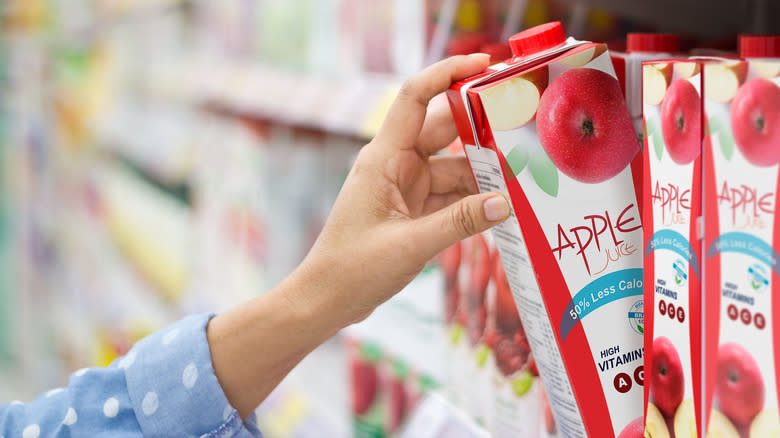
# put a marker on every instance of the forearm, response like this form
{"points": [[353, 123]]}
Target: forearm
{"points": [[255, 345]]}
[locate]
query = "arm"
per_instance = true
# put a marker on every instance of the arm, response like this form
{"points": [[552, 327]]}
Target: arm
{"points": [[399, 207]]}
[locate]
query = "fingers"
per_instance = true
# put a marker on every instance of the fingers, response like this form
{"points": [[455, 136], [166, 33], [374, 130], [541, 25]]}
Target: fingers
{"points": [[438, 129], [451, 174], [471, 215], [404, 122]]}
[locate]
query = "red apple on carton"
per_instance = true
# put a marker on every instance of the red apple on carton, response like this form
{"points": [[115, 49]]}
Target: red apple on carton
{"points": [[584, 126], [396, 404], [513, 102], [655, 80], [584, 56], [450, 263], [681, 122], [666, 376], [364, 384], [755, 121], [634, 429], [739, 386], [722, 80]]}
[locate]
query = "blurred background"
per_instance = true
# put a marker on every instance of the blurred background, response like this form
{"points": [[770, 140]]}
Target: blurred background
{"points": [[165, 157]]}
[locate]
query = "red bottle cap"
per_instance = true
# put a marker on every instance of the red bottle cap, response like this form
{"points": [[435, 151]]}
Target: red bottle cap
{"points": [[759, 46], [497, 51], [652, 42], [465, 44], [537, 39]]}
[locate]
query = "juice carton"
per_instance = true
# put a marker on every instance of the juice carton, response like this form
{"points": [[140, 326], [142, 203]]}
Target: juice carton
{"points": [[550, 130], [628, 66], [742, 238], [515, 385], [672, 224], [454, 323]]}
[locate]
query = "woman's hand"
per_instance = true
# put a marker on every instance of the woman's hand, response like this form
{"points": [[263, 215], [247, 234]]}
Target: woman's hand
{"points": [[399, 207]]}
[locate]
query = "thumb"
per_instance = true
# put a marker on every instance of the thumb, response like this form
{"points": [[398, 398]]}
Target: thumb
{"points": [[471, 215]]}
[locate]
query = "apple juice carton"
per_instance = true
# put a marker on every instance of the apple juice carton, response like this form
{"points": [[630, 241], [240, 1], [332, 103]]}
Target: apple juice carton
{"points": [[515, 386], [672, 224], [628, 66], [550, 130], [742, 239]]}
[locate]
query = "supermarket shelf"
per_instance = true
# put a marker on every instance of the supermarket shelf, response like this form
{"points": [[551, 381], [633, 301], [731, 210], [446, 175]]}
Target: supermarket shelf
{"points": [[349, 106]]}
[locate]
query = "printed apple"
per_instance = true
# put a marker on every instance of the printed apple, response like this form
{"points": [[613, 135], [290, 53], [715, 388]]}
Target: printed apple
{"points": [[507, 318], [396, 404], [722, 80], [584, 56], [766, 424], [635, 429], [755, 121], [681, 122], [739, 387], [513, 103], [687, 69], [584, 126], [364, 384], [666, 377], [767, 69], [655, 423], [655, 80], [685, 420], [720, 426]]}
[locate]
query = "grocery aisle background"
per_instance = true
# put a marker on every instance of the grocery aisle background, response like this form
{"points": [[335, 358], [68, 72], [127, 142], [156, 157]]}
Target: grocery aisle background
{"points": [[165, 157]]}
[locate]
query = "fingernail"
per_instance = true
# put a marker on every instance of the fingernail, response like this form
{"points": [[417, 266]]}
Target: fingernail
{"points": [[479, 55], [496, 208]]}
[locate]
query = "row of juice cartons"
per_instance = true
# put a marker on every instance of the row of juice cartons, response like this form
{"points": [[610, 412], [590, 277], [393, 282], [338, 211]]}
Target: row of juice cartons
{"points": [[551, 130]]}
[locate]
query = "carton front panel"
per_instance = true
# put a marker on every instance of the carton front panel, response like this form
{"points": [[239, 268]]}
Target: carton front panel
{"points": [[673, 157], [742, 108]]}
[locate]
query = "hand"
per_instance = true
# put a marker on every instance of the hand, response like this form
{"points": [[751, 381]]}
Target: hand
{"points": [[400, 205]]}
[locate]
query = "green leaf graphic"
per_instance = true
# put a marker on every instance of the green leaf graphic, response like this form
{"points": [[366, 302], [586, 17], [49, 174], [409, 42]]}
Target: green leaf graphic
{"points": [[544, 172], [713, 126], [726, 143], [482, 355], [641, 330], [517, 159], [654, 131]]}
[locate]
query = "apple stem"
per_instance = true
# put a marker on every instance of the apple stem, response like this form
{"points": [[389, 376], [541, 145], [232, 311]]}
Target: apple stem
{"points": [[760, 122], [680, 123], [733, 377]]}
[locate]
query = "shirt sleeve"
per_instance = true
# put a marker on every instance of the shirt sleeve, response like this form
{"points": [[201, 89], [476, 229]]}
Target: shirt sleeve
{"points": [[165, 386]]}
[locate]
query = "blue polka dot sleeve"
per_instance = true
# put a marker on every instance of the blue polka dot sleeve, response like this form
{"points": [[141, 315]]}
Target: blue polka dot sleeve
{"points": [[164, 387]]}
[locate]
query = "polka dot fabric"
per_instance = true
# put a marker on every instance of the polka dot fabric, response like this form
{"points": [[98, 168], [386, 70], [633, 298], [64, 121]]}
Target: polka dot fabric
{"points": [[164, 387]]}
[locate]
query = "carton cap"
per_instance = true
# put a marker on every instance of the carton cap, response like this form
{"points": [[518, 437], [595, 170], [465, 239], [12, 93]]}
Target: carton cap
{"points": [[652, 42], [537, 39], [759, 46]]}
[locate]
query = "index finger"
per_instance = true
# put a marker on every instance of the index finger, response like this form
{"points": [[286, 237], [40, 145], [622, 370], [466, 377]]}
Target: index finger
{"points": [[405, 119]]}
